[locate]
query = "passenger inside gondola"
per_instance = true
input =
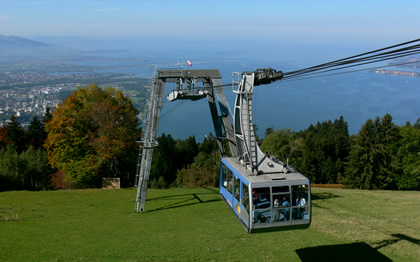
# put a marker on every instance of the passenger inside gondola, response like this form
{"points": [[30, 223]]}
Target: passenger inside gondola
{"points": [[300, 194], [262, 206], [300, 202], [285, 211], [276, 206]]}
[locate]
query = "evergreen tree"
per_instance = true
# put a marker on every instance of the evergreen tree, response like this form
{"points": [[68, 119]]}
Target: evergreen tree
{"points": [[409, 153], [186, 151], [47, 116], [268, 131], [372, 163], [208, 145], [326, 146], [417, 124], [164, 159], [36, 133], [35, 169], [16, 134], [10, 170]]}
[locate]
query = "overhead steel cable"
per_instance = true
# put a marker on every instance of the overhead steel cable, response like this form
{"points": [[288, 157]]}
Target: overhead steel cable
{"points": [[372, 59], [170, 110], [345, 72], [386, 56], [348, 66], [368, 57], [352, 57], [360, 62]]}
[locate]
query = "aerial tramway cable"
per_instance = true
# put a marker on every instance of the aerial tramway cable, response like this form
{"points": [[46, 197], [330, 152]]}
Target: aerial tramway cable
{"points": [[305, 76], [352, 59], [357, 60], [375, 56], [316, 75], [170, 110]]}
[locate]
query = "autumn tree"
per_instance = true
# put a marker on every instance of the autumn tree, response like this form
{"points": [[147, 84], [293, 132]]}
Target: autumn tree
{"points": [[4, 139], [92, 135]]}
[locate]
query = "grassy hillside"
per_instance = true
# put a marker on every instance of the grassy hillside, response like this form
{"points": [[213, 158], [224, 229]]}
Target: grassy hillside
{"points": [[195, 224]]}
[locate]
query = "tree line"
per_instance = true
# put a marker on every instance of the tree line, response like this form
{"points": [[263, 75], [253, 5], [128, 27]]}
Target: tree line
{"points": [[381, 155], [93, 134], [23, 160]]}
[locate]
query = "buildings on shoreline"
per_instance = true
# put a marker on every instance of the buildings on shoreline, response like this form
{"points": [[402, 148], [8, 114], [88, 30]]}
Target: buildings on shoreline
{"points": [[25, 103]]}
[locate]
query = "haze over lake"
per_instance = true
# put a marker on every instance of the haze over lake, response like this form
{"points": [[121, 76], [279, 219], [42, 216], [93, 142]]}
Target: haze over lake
{"points": [[357, 96]]}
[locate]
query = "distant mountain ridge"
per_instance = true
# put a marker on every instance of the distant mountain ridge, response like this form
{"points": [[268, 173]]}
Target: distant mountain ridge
{"points": [[16, 41]]}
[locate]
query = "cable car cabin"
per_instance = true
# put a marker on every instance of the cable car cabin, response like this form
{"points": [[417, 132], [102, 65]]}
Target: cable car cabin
{"points": [[268, 201]]}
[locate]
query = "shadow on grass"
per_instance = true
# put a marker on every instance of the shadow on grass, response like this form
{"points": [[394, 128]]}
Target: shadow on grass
{"points": [[186, 199], [396, 238], [319, 197], [323, 196], [407, 238], [358, 251]]}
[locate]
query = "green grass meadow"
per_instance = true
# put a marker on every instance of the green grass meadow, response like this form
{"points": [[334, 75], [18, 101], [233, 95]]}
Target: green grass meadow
{"points": [[196, 225]]}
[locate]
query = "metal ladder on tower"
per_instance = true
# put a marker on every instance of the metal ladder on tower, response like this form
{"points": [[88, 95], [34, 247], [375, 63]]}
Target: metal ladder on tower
{"points": [[148, 142], [249, 151]]}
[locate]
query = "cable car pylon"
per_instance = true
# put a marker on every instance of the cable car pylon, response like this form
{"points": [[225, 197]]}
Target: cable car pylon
{"points": [[191, 85]]}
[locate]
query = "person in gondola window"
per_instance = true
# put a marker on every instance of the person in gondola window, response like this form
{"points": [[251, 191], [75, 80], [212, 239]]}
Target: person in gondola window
{"points": [[285, 211], [277, 205], [300, 201]]}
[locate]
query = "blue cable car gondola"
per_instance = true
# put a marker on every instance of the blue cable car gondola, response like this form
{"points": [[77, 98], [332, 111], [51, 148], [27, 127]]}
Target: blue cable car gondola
{"points": [[266, 201]]}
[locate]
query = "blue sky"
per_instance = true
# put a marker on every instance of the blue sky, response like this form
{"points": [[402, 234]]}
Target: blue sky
{"points": [[314, 21]]}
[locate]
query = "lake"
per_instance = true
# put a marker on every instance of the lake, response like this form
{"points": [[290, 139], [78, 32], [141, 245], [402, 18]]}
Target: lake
{"points": [[356, 96]]}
